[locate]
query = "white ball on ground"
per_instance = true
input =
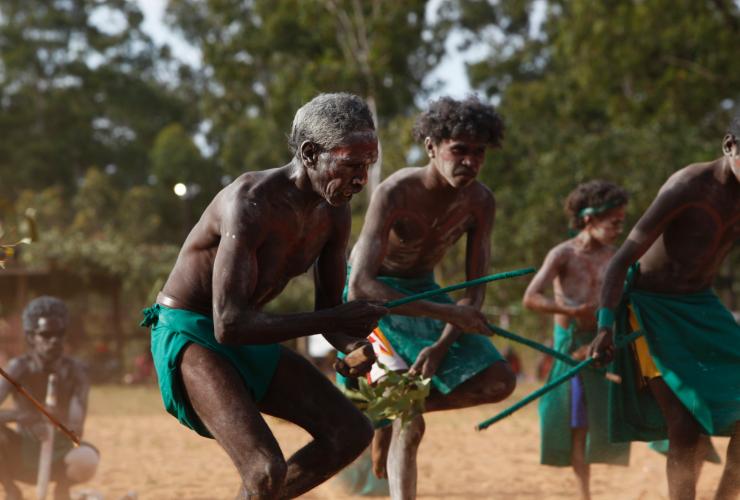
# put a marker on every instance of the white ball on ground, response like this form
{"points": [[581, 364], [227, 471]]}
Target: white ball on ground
{"points": [[82, 463]]}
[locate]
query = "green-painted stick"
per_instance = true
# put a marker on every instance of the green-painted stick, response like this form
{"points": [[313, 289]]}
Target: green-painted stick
{"points": [[548, 350], [459, 286], [549, 386], [534, 345]]}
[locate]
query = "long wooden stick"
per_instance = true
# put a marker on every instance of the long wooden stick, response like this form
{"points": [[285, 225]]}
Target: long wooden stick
{"points": [[550, 386], [18, 387], [466, 284]]}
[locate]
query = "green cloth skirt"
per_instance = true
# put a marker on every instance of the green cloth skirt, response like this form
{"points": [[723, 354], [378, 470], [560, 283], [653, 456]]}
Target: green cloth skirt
{"points": [[695, 343], [469, 355], [175, 329], [555, 411]]}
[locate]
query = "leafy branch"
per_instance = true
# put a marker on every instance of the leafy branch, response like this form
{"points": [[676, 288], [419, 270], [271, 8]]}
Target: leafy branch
{"points": [[396, 395]]}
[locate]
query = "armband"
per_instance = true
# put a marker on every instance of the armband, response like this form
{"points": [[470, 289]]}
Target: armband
{"points": [[605, 318]]}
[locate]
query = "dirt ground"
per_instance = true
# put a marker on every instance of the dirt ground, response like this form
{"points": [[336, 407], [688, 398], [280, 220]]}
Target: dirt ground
{"points": [[146, 451]]}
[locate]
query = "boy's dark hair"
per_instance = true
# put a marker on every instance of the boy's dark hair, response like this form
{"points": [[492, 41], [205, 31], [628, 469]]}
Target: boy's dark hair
{"points": [[44, 306], [447, 118], [593, 198]]}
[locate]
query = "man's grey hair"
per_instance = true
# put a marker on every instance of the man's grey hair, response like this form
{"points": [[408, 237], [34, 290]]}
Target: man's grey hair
{"points": [[44, 306], [327, 119]]}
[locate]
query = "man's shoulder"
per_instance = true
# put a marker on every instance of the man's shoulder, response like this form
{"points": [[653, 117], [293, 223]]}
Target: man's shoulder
{"points": [[480, 193], [20, 364], [691, 175], [402, 178]]}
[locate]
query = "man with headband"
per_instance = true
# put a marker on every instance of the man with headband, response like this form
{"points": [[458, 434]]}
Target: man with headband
{"points": [[688, 360], [573, 416]]}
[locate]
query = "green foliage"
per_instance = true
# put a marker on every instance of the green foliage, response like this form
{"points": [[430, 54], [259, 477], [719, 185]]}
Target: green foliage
{"points": [[626, 91], [396, 395], [265, 58]]}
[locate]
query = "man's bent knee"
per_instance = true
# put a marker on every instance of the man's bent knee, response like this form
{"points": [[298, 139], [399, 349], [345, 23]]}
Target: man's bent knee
{"points": [[683, 432], [501, 382], [264, 478], [414, 431]]}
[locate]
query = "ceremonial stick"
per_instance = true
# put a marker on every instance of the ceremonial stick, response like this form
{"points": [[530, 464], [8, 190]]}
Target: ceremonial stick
{"points": [[466, 284], [47, 445], [18, 387], [549, 386], [613, 377]]}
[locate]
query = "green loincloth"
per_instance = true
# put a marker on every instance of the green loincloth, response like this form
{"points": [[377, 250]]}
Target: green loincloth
{"points": [[695, 343], [173, 330], [469, 355], [555, 411]]}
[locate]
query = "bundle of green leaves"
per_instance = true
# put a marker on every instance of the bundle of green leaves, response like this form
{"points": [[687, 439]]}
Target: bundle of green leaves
{"points": [[396, 395]]}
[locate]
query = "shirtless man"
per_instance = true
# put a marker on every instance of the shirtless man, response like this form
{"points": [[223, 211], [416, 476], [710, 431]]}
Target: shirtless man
{"points": [[216, 352], [45, 321], [575, 269], [414, 217], [691, 350]]}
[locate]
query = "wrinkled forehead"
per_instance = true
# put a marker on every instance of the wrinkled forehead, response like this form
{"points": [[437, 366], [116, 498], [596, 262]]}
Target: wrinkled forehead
{"points": [[361, 144]]}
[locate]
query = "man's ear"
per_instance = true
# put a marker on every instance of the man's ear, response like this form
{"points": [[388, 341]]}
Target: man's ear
{"points": [[309, 153], [429, 147], [727, 143]]}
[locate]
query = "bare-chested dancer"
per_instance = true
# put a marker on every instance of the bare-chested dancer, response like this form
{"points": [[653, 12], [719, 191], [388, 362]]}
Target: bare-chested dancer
{"points": [[216, 352], [413, 218], [45, 322], [573, 417], [690, 355]]}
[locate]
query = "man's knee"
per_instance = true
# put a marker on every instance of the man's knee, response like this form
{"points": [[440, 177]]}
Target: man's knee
{"points": [[413, 432], [501, 382], [264, 478], [683, 432]]}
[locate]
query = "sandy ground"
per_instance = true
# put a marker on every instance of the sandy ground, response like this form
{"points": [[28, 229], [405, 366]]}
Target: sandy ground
{"points": [[147, 452]]}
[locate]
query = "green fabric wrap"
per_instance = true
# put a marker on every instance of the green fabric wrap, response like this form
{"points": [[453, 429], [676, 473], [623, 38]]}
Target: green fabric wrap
{"points": [[555, 409], [175, 329], [695, 343], [469, 355]]}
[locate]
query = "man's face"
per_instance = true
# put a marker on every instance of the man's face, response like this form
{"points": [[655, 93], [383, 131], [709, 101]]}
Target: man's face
{"points": [[607, 227], [342, 171], [458, 160], [47, 338]]}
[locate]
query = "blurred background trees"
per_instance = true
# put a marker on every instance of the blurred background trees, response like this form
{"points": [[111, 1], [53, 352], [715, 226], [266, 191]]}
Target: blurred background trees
{"points": [[98, 123]]}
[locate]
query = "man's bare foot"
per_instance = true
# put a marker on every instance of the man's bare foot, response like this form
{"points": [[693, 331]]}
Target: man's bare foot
{"points": [[381, 445]]}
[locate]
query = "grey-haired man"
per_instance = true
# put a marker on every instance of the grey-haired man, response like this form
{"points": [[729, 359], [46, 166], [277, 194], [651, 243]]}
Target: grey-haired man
{"points": [[216, 351]]}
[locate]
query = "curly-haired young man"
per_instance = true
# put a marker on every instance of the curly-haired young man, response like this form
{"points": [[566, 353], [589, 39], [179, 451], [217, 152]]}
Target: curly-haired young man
{"points": [[690, 353], [573, 417], [414, 217]]}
